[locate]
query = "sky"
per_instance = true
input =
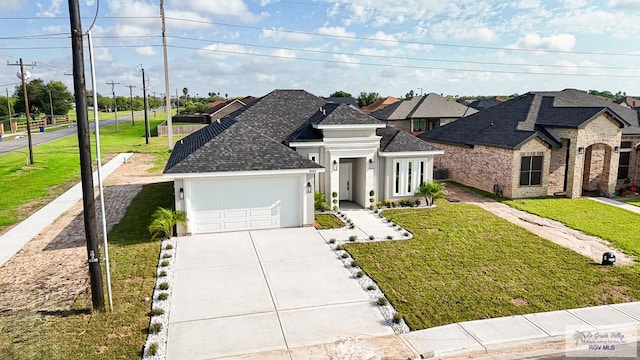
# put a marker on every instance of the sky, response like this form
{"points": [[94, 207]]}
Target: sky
{"points": [[251, 47]]}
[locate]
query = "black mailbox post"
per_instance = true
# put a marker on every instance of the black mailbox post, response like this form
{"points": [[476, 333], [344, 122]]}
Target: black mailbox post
{"points": [[608, 258]]}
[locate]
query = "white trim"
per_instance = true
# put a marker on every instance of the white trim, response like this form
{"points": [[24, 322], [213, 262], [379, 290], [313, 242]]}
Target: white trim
{"points": [[349, 126], [229, 104], [305, 144], [411, 153], [245, 173]]}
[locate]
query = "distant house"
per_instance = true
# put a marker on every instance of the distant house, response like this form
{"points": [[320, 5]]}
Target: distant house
{"points": [[378, 105], [543, 143], [629, 102], [422, 113], [481, 104], [222, 108], [342, 100]]}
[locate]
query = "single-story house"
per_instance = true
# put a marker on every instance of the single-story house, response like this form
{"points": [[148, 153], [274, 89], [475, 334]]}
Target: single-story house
{"points": [[222, 108], [379, 105], [629, 102], [543, 143], [260, 166], [422, 113]]}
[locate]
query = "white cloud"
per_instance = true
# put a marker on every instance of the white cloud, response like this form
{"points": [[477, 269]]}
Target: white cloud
{"points": [[267, 2], [460, 30], [52, 10], [526, 4], [222, 50], [345, 61], [284, 53], [102, 54], [230, 8], [54, 29], [560, 42], [279, 34], [384, 38], [625, 4], [338, 31], [269, 78], [146, 51]]}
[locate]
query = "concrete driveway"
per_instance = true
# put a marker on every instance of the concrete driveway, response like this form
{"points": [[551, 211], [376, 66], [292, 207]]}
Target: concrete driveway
{"points": [[257, 291]]}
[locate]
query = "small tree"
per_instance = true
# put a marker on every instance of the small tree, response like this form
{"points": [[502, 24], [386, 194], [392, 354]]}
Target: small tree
{"points": [[431, 191], [163, 222]]}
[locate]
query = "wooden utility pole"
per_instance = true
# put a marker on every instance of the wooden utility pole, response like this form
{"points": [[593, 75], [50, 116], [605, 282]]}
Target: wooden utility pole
{"points": [[131, 101], [23, 77], [115, 106], [86, 173], [167, 104]]}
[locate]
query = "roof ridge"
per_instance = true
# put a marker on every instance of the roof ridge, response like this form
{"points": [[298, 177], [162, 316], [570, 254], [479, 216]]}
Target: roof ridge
{"points": [[415, 108]]}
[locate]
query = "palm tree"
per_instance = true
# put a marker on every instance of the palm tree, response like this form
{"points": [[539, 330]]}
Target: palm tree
{"points": [[431, 191], [163, 222]]}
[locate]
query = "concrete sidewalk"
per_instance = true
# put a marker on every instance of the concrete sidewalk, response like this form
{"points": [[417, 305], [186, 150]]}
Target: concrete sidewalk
{"points": [[490, 335], [13, 240], [617, 203], [366, 223]]}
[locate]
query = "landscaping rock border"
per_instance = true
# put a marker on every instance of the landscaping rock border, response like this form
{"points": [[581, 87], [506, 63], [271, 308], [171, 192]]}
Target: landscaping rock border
{"points": [[160, 338]]}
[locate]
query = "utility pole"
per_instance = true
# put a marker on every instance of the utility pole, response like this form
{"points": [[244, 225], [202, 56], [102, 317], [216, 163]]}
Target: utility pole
{"points": [[131, 101], [115, 107], [23, 77], [167, 104], [146, 108], [88, 200], [51, 105], [8, 105]]}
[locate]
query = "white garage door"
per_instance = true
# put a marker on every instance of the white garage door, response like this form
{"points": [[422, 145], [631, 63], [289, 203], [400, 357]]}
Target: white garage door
{"points": [[244, 204]]}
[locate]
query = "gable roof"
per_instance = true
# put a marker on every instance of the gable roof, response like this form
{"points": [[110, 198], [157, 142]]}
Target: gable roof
{"points": [[481, 104], [341, 114], [431, 105], [342, 100], [514, 122]]}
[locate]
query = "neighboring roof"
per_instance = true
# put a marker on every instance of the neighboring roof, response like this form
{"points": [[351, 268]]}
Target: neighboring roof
{"points": [[628, 101], [482, 104], [341, 114], [512, 123], [431, 105], [232, 146], [395, 140], [342, 100], [378, 105]]}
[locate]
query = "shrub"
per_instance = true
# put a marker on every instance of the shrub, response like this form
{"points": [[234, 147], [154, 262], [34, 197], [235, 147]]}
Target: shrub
{"points": [[393, 204], [406, 233], [372, 200], [156, 312], [162, 273], [371, 193], [153, 349], [335, 201], [387, 203], [417, 202], [155, 328], [320, 202], [335, 208], [431, 191], [163, 286], [359, 274], [376, 211], [382, 301], [371, 287], [332, 241], [166, 256], [379, 204], [168, 247], [396, 318], [370, 207], [334, 194], [339, 247], [163, 296], [389, 237], [371, 237], [164, 263], [351, 226], [344, 255], [353, 238], [354, 263]]}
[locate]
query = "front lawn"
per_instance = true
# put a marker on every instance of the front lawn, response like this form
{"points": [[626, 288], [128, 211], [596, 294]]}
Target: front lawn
{"points": [[57, 167], [327, 221], [465, 263], [633, 201], [619, 226], [77, 334]]}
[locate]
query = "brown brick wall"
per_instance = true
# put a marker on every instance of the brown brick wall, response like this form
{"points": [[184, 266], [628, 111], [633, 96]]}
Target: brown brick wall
{"points": [[534, 147]]}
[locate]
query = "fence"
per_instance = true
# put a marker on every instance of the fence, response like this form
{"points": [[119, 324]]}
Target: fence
{"points": [[15, 126]]}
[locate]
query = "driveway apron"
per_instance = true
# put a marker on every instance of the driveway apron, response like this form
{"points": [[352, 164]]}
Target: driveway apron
{"points": [[249, 292]]}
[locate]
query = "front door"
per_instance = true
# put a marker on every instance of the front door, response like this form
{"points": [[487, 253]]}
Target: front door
{"points": [[345, 181]]}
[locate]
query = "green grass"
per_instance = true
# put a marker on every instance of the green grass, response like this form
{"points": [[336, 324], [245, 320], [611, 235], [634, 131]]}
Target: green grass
{"points": [[118, 335], [328, 221], [634, 201], [616, 225], [57, 167], [465, 263]]}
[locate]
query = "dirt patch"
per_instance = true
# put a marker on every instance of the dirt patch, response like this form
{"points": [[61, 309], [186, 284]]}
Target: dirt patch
{"points": [[49, 273], [519, 302]]}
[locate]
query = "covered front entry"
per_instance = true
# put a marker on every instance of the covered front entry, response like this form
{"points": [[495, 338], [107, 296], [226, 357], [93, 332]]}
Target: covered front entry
{"points": [[229, 204], [352, 180], [596, 175]]}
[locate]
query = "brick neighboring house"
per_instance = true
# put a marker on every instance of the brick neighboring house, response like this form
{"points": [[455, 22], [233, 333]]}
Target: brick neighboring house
{"points": [[543, 143], [222, 108], [422, 113], [629, 102]]}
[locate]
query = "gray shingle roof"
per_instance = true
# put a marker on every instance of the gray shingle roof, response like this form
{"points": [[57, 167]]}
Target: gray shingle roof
{"points": [[431, 105], [511, 123], [395, 140], [346, 115]]}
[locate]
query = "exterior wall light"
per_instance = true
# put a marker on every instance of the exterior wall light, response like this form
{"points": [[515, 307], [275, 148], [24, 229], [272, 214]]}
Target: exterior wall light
{"points": [[580, 150], [308, 187], [335, 165], [616, 149], [371, 163], [181, 194]]}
